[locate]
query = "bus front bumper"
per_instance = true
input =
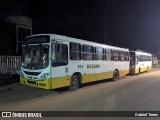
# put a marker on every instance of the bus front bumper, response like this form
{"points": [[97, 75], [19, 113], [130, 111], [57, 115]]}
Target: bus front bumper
{"points": [[45, 84]]}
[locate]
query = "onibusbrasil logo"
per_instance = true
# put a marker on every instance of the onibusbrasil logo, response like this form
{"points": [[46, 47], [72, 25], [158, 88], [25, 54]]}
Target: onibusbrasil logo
{"points": [[21, 114]]}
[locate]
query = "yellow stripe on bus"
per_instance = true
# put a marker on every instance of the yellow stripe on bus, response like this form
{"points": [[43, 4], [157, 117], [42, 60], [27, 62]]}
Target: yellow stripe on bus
{"points": [[100, 76]]}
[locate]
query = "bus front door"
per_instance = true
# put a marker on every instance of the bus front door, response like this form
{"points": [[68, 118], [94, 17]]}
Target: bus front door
{"points": [[59, 70]]}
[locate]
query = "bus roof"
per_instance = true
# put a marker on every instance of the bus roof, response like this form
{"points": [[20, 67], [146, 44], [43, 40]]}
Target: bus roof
{"points": [[140, 52], [76, 40]]}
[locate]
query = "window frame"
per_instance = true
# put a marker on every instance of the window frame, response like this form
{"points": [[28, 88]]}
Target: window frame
{"points": [[99, 53], [108, 54], [87, 52], [54, 53], [78, 52]]}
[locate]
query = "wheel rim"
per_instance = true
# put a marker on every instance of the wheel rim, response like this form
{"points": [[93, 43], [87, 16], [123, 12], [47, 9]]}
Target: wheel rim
{"points": [[116, 75], [75, 82]]}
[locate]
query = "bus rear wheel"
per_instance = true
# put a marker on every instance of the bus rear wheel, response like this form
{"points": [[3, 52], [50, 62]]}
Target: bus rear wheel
{"points": [[115, 75], [139, 71], [75, 80], [147, 69]]}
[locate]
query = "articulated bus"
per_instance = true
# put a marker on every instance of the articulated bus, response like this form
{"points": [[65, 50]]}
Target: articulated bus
{"points": [[140, 61], [52, 61]]}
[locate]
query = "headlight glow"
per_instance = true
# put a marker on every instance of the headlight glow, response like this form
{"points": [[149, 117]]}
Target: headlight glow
{"points": [[44, 76]]}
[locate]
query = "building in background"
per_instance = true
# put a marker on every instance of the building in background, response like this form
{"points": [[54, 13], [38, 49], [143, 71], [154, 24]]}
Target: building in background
{"points": [[13, 30], [23, 28]]}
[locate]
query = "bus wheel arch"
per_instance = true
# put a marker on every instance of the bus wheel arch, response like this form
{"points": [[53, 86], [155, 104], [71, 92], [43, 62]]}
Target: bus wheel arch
{"points": [[75, 81], [115, 75]]}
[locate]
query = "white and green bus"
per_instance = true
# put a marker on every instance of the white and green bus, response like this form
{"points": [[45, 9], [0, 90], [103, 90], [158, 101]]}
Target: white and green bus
{"points": [[140, 61], [52, 61]]}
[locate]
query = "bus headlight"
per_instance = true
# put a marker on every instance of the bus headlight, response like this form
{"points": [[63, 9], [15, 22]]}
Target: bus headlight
{"points": [[44, 76]]}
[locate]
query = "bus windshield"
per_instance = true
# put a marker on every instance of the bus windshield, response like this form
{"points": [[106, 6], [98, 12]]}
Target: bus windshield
{"points": [[35, 56]]}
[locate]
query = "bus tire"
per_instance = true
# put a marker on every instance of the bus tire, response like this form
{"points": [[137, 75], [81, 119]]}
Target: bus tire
{"points": [[147, 69], [139, 71], [75, 82], [115, 75]]}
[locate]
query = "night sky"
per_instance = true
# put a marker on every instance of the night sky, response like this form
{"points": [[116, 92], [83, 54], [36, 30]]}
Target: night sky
{"points": [[133, 24]]}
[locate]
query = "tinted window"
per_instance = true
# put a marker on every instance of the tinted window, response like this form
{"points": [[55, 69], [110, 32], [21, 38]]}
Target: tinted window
{"points": [[108, 54], [121, 55], [60, 56], [99, 53], [75, 51], [115, 55], [88, 52], [126, 56]]}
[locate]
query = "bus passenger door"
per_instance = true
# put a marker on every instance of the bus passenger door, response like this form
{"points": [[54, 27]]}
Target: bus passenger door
{"points": [[59, 70]]}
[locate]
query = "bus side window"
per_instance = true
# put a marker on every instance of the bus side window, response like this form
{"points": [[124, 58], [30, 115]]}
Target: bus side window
{"points": [[137, 58], [60, 55], [126, 56], [104, 54], [65, 53], [121, 55], [147, 58], [115, 55], [99, 53], [88, 52], [112, 58], [108, 54], [75, 51], [140, 57]]}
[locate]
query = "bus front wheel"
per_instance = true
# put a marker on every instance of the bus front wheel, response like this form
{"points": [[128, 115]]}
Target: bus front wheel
{"points": [[74, 82], [115, 75]]}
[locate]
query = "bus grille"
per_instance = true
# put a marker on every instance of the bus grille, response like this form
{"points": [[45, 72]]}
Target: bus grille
{"points": [[32, 73]]}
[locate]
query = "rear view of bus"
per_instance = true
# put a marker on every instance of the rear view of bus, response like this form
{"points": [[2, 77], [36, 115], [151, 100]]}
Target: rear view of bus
{"points": [[140, 62], [35, 68]]}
